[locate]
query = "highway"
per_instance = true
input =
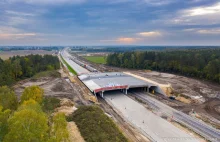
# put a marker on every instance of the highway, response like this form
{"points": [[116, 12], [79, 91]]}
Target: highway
{"points": [[194, 124], [66, 56], [151, 125]]}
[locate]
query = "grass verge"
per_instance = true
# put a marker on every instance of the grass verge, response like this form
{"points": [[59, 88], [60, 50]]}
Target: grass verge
{"points": [[96, 59], [68, 66], [95, 126]]}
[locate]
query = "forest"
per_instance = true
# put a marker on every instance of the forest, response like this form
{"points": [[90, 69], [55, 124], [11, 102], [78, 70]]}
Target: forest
{"points": [[21, 67], [198, 63], [30, 119]]}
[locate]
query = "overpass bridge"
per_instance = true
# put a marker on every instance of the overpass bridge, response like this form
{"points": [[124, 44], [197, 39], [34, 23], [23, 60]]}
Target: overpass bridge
{"points": [[109, 81]]}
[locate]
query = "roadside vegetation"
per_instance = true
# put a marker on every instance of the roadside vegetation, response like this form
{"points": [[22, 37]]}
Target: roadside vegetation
{"points": [[68, 66], [96, 59], [28, 120], [199, 63], [17, 67], [95, 126]]}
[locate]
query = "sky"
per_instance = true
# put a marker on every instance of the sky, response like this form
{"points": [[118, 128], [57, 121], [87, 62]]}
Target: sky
{"points": [[109, 22]]}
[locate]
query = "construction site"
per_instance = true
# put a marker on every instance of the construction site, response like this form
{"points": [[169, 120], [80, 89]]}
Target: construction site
{"points": [[126, 92]]}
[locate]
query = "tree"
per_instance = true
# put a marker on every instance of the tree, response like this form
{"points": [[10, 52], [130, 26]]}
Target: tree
{"points": [[8, 99], [28, 124], [32, 92], [202, 63], [4, 115], [17, 68], [59, 129]]}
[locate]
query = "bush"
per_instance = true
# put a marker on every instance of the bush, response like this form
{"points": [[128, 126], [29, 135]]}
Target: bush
{"points": [[95, 126], [32, 92], [8, 99], [50, 103]]}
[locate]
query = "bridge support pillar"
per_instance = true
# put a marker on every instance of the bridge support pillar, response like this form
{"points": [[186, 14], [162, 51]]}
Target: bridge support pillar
{"points": [[147, 89], [102, 95], [126, 91]]}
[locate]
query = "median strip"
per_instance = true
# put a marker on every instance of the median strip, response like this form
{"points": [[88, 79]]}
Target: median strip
{"points": [[68, 66]]}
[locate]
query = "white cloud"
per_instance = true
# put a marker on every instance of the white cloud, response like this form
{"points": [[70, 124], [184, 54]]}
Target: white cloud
{"points": [[13, 21], [206, 15], [16, 13], [159, 2], [12, 33], [150, 34], [6, 29], [48, 2], [206, 10], [16, 36]]}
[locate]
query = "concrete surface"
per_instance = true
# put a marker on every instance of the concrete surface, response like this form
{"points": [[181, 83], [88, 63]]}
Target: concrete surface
{"points": [[153, 126]]}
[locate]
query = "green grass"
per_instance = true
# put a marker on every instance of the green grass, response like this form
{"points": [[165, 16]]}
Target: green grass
{"points": [[95, 126], [96, 59], [52, 73], [68, 66]]}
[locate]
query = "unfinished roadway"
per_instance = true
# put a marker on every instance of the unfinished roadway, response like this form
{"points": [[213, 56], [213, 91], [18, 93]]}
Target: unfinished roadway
{"points": [[151, 125]]}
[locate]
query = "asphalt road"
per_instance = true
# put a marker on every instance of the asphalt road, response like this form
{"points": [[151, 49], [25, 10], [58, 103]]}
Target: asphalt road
{"points": [[208, 132]]}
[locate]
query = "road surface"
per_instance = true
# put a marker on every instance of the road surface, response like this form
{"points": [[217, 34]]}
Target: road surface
{"points": [[66, 56], [196, 125], [151, 125]]}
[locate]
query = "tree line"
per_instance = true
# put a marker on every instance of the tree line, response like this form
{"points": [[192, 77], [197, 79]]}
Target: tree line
{"points": [[203, 64], [27, 121], [21, 67]]}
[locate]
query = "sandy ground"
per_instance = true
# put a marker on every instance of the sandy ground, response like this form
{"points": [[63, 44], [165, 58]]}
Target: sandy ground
{"points": [[6, 54], [55, 87], [191, 87], [74, 134]]}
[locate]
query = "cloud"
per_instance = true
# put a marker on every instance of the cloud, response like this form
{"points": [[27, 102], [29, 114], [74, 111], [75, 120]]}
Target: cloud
{"points": [[206, 10], [159, 2], [150, 34], [12, 36], [12, 33], [16, 13], [48, 2], [209, 31], [148, 2], [126, 40], [205, 15]]}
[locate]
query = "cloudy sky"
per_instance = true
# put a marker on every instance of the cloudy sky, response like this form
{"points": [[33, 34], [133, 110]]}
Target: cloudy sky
{"points": [[109, 22]]}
